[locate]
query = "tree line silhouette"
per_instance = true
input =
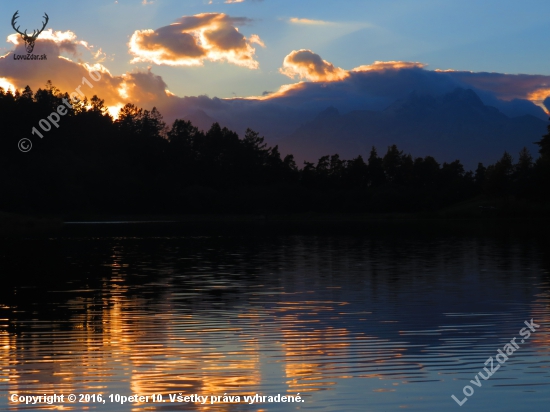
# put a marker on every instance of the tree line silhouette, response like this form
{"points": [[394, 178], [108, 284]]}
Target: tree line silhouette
{"points": [[136, 163]]}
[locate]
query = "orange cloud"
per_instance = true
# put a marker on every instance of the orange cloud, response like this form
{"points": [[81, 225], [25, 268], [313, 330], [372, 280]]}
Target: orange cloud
{"points": [[539, 97], [141, 88], [256, 39], [308, 65], [193, 39]]}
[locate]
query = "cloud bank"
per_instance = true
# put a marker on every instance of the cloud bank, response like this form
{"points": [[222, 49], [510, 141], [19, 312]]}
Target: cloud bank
{"points": [[368, 87], [377, 85]]}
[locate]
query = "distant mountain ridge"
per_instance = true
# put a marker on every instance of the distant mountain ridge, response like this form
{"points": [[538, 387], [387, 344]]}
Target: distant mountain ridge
{"points": [[455, 125]]}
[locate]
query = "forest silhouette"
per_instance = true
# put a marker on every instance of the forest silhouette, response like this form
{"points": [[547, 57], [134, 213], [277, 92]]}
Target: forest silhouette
{"points": [[136, 164]]}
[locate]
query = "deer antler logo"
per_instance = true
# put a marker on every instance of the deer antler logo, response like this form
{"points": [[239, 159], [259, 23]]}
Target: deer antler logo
{"points": [[29, 40]]}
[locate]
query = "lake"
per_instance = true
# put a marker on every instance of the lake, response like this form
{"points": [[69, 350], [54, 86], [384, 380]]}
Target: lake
{"points": [[333, 320]]}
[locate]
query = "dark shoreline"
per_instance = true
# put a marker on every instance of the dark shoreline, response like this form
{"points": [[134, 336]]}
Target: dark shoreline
{"points": [[20, 226], [331, 224], [14, 225]]}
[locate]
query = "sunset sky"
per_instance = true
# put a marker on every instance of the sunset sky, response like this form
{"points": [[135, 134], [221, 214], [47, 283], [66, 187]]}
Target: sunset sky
{"points": [[245, 48]]}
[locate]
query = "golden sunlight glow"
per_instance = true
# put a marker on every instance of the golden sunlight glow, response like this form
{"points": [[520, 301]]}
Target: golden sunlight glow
{"points": [[6, 85], [283, 90], [538, 97], [389, 65], [114, 110]]}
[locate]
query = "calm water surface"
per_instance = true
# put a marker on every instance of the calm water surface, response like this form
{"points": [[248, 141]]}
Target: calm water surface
{"points": [[351, 323]]}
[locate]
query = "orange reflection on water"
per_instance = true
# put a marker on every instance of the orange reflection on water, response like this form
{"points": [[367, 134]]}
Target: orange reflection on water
{"points": [[151, 353], [310, 354]]}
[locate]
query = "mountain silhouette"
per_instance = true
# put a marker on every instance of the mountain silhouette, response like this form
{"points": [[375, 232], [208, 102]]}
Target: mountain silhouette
{"points": [[199, 118], [455, 125]]}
